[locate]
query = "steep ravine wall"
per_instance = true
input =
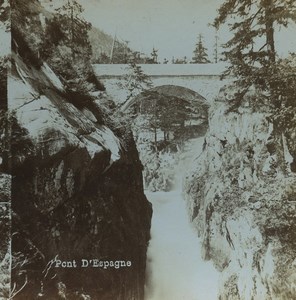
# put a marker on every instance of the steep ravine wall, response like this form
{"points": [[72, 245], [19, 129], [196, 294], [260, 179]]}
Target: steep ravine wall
{"points": [[242, 199], [77, 193]]}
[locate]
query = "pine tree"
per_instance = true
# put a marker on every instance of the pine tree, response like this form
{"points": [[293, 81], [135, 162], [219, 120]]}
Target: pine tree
{"points": [[251, 50], [200, 53], [75, 28], [154, 56], [216, 48], [121, 53], [135, 81], [65, 45], [162, 112]]}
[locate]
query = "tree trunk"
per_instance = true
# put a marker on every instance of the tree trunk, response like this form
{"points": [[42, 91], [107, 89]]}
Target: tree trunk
{"points": [[269, 22]]}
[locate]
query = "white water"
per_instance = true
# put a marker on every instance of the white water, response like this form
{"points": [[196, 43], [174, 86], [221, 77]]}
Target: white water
{"points": [[175, 270]]}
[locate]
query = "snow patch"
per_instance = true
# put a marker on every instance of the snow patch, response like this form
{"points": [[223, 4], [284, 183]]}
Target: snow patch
{"points": [[39, 115], [58, 175], [111, 142], [91, 146], [70, 183], [100, 139], [89, 115], [288, 157], [52, 76]]}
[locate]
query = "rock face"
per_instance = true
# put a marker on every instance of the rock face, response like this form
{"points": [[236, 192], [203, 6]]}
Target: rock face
{"points": [[77, 194], [242, 199], [165, 118], [4, 248]]}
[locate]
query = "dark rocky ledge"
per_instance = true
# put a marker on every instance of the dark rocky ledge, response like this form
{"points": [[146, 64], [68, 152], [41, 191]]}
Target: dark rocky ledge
{"points": [[77, 193]]}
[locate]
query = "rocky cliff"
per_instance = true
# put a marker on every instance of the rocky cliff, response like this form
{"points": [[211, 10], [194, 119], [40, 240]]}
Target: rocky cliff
{"points": [[242, 200], [77, 194]]}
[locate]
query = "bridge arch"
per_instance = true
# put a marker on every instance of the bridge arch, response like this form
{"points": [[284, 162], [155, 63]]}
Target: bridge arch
{"points": [[167, 115], [201, 78], [173, 91]]}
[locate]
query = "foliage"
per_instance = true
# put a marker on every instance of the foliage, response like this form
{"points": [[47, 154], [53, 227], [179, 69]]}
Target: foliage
{"points": [[163, 112], [26, 22], [74, 28], [179, 60], [3, 84], [135, 81], [200, 53], [122, 54], [61, 40], [216, 46], [283, 81], [103, 59], [15, 144], [21, 46], [65, 44], [5, 14], [5, 226], [251, 50], [4, 139], [154, 56]]}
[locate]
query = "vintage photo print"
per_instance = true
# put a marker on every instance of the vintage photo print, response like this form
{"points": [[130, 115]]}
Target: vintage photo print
{"points": [[148, 149]]}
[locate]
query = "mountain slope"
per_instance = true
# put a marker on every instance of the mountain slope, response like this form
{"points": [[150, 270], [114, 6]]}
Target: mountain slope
{"points": [[100, 42], [241, 198]]}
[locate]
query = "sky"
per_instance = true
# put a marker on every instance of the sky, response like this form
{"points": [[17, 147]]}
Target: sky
{"points": [[170, 26]]}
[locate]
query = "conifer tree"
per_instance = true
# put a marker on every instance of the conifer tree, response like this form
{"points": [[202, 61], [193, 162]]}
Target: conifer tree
{"points": [[200, 53], [216, 48], [135, 80], [154, 56], [65, 44], [251, 50], [74, 27]]}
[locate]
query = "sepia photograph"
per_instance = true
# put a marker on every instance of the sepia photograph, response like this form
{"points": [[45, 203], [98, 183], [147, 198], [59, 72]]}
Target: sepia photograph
{"points": [[148, 150]]}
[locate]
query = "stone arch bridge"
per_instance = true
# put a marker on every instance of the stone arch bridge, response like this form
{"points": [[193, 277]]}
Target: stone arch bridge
{"points": [[201, 78]]}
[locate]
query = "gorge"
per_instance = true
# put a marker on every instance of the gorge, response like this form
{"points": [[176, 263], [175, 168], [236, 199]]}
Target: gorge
{"points": [[184, 190]]}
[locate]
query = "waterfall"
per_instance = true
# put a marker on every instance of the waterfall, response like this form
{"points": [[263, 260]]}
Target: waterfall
{"points": [[175, 270]]}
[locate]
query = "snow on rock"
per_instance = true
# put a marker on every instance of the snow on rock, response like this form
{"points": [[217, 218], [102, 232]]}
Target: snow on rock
{"points": [[288, 157], [5, 276], [52, 76], [5, 246], [111, 142], [5, 184], [241, 198], [48, 122], [77, 194]]}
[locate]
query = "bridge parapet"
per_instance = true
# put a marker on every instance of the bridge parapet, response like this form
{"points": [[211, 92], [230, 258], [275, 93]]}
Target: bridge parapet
{"points": [[161, 70]]}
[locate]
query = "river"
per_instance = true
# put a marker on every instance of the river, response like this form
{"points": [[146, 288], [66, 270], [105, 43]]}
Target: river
{"points": [[175, 270]]}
